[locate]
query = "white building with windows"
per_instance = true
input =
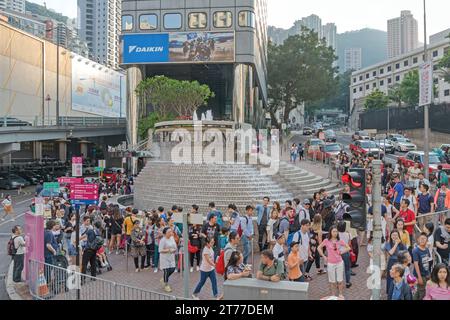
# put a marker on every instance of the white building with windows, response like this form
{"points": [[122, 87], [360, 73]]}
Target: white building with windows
{"points": [[14, 5], [391, 72], [99, 26], [329, 33], [353, 59], [403, 34]]}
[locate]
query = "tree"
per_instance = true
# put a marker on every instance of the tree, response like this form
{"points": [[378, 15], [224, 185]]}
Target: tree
{"points": [[339, 100], [409, 88], [444, 66], [149, 122], [376, 100], [173, 96], [395, 95], [299, 71]]}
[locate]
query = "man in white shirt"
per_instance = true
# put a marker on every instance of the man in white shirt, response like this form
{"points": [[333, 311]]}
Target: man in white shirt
{"points": [[278, 249], [19, 246]]}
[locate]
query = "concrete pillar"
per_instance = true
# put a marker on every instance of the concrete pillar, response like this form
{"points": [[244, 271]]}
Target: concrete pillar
{"points": [[83, 148], [63, 151], [6, 160], [134, 77], [37, 150], [239, 93]]}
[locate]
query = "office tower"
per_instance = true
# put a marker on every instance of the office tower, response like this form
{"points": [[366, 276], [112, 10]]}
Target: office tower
{"points": [[353, 59], [403, 34], [99, 26]]}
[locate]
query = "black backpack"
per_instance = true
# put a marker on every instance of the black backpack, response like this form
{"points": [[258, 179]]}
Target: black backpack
{"points": [[276, 226], [296, 225], [11, 248], [97, 243]]}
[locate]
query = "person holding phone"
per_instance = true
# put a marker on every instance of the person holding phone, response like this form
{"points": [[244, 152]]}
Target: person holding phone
{"points": [[236, 269]]}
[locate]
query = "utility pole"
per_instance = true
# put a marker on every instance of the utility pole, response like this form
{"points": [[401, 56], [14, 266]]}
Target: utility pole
{"points": [[57, 76], [377, 230], [426, 158], [186, 255]]}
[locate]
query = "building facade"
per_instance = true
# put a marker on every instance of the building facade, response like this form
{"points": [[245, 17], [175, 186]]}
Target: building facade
{"points": [[99, 26], [329, 33], [353, 59], [219, 43], [312, 22], [389, 73], [14, 5], [403, 34], [440, 36]]}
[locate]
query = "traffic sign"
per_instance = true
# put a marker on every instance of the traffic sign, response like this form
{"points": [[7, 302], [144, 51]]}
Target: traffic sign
{"points": [[102, 163], [99, 169], [84, 192], [70, 180], [83, 202], [52, 186], [39, 206]]}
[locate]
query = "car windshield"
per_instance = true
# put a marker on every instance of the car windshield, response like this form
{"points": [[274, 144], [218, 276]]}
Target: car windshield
{"points": [[403, 140], [316, 142], [368, 144], [434, 159], [332, 147]]}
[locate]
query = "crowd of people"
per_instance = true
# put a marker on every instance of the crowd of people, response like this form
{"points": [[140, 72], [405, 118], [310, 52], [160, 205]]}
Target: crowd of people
{"points": [[290, 238]]}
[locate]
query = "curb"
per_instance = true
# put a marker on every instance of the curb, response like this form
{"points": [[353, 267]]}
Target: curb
{"points": [[10, 286]]}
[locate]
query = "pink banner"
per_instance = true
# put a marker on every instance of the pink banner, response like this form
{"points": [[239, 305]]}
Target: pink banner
{"points": [[34, 238], [77, 160], [70, 180]]}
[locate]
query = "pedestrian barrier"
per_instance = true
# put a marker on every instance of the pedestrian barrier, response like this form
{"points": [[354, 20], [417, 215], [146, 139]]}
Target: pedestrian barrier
{"points": [[435, 217], [49, 282]]}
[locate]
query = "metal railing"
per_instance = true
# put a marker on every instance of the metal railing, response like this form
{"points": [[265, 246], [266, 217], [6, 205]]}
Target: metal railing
{"points": [[36, 121], [434, 217], [50, 282]]}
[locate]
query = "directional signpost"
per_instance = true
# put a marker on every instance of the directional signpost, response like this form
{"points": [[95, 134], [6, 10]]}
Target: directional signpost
{"points": [[51, 188]]}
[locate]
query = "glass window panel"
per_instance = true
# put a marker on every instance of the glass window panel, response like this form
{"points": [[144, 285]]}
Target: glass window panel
{"points": [[148, 22], [247, 19], [197, 20], [172, 21], [127, 23], [223, 19]]}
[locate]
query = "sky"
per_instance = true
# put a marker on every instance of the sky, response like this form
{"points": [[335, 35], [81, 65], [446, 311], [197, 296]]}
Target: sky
{"points": [[347, 14]]}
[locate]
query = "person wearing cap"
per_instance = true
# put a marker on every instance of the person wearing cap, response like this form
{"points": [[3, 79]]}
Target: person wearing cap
{"points": [[128, 224], [167, 249], [293, 264], [303, 210]]}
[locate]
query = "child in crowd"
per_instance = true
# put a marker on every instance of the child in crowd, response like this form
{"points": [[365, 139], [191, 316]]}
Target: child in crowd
{"points": [[223, 237]]}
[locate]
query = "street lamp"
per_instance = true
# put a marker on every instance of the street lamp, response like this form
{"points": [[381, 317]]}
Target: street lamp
{"points": [[48, 99], [426, 156], [57, 71]]}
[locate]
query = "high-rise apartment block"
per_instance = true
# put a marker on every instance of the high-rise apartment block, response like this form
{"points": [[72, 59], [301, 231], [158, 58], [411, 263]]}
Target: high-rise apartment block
{"points": [[403, 34], [329, 33], [353, 59], [14, 5], [99, 25]]}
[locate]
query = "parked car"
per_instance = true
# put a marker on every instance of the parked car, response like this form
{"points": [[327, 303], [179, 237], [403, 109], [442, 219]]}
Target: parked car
{"points": [[366, 147], [403, 145], [360, 135], [12, 181], [29, 176], [330, 136], [307, 131], [418, 156], [110, 174], [385, 145], [327, 151]]}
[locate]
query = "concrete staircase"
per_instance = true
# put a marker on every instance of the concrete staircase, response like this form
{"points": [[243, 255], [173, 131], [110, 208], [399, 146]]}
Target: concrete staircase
{"points": [[303, 183], [164, 184]]}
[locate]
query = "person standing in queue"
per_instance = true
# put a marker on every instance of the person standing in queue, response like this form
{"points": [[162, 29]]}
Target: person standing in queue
{"points": [[167, 249]]}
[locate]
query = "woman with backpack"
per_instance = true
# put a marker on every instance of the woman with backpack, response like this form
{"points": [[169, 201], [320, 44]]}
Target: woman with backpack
{"points": [[195, 245], [207, 270], [138, 245]]}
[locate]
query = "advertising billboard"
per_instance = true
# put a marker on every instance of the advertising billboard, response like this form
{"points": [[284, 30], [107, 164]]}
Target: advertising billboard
{"points": [[179, 47], [97, 89]]}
